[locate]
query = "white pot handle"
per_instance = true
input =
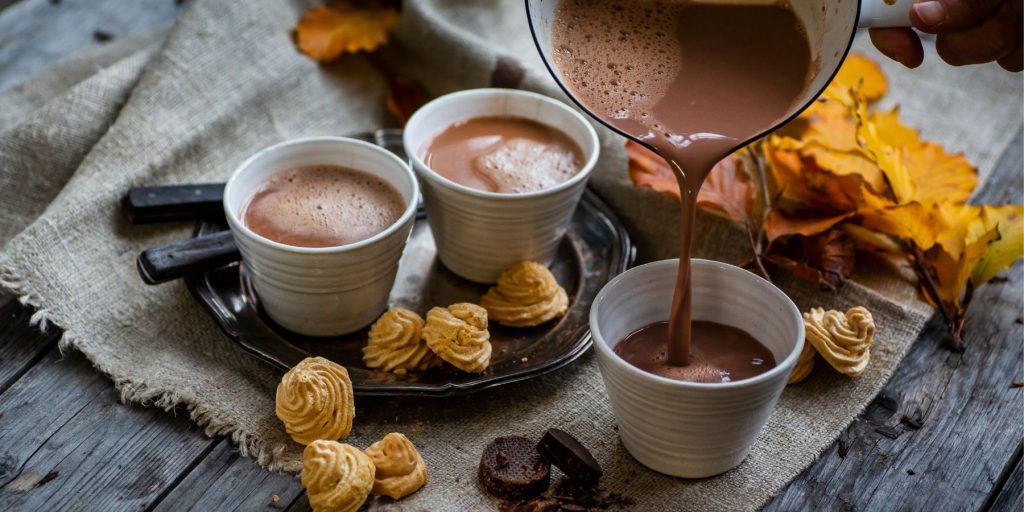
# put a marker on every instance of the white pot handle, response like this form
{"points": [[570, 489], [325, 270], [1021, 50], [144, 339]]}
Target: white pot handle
{"points": [[884, 13]]}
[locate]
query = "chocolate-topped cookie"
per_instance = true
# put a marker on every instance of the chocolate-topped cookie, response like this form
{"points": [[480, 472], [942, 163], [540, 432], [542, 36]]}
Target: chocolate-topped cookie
{"points": [[568, 454], [511, 468]]}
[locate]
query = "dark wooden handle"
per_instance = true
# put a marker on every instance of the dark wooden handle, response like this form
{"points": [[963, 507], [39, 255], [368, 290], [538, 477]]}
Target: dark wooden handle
{"points": [[145, 205], [171, 261]]}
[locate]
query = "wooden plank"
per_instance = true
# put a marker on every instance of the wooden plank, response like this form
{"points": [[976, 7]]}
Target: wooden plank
{"points": [[1011, 497], [300, 505], [226, 481], [21, 345], [946, 427], [66, 443]]}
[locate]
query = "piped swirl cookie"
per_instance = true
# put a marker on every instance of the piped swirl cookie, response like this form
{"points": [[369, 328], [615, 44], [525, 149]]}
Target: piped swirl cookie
{"points": [[804, 364], [396, 345], [526, 295], [844, 340], [314, 401], [458, 334], [400, 468], [337, 477]]}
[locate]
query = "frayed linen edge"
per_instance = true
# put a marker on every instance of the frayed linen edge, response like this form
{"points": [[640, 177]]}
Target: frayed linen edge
{"points": [[130, 391]]}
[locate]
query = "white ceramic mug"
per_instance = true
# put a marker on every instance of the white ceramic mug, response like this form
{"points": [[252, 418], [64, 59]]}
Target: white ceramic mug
{"points": [[479, 233], [322, 291], [690, 429]]}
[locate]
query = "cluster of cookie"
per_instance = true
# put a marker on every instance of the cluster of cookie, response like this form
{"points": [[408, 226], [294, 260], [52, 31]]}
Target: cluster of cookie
{"points": [[526, 295], [315, 403], [842, 339], [339, 477]]}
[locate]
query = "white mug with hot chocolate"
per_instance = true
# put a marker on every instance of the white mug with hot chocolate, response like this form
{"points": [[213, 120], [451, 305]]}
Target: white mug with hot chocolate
{"points": [[502, 173], [321, 223]]}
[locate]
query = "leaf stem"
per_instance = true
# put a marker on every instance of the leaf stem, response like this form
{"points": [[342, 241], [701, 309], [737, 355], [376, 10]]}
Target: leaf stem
{"points": [[757, 254], [953, 324]]}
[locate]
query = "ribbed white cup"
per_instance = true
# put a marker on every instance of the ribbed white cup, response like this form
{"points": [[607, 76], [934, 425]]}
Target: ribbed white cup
{"points": [[478, 233], [681, 428], [322, 291]]}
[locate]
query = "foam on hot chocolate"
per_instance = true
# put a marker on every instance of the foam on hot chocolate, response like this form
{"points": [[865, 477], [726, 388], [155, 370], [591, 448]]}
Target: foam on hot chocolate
{"points": [[322, 206], [606, 57], [503, 154]]}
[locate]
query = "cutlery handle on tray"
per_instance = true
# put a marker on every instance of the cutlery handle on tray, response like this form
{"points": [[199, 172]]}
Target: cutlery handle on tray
{"points": [[145, 205], [168, 262]]}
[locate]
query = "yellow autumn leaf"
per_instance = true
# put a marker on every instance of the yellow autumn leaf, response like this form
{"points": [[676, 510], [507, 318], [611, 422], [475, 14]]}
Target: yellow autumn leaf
{"points": [[914, 170], [939, 177], [951, 274], [327, 31], [893, 132], [888, 157], [1008, 248], [911, 222], [858, 71], [848, 163], [956, 225]]}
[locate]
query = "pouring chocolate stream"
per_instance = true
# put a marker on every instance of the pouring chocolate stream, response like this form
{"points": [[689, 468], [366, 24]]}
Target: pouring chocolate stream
{"points": [[691, 80]]}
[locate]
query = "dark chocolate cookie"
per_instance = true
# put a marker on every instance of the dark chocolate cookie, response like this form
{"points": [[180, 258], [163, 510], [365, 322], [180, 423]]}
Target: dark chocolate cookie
{"points": [[511, 469], [564, 451]]}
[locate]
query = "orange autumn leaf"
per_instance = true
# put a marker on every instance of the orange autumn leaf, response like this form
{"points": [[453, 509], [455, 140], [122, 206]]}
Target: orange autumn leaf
{"points": [[802, 185], [327, 31], [404, 98], [730, 189], [826, 258], [779, 224], [951, 274], [647, 169]]}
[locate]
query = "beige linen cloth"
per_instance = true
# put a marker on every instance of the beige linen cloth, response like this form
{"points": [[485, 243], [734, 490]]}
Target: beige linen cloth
{"points": [[227, 81]]}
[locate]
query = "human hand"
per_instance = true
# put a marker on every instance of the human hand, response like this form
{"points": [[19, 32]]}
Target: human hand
{"points": [[968, 32]]}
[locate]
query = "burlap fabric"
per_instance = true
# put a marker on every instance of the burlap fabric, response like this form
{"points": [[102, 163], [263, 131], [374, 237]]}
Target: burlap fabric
{"points": [[226, 81]]}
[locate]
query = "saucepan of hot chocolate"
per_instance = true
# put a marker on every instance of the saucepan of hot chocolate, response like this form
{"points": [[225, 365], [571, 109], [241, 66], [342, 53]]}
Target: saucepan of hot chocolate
{"points": [[694, 80], [701, 419]]}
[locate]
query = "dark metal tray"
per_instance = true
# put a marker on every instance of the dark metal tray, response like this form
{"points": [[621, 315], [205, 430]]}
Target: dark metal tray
{"points": [[595, 249]]}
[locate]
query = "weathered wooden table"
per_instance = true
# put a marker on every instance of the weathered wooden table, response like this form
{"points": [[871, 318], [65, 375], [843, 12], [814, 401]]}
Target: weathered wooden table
{"points": [[944, 434]]}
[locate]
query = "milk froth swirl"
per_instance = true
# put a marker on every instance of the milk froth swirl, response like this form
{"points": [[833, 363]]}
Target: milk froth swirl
{"points": [[337, 477], [314, 401]]}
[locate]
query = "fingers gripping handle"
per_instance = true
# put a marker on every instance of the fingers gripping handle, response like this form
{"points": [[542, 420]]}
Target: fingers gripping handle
{"points": [[884, 13]]}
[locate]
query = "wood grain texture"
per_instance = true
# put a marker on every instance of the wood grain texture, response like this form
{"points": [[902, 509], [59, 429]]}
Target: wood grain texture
{"points": [[226, 481], [1011, 497], [67, 443], [20, 344], [946, 427]]}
